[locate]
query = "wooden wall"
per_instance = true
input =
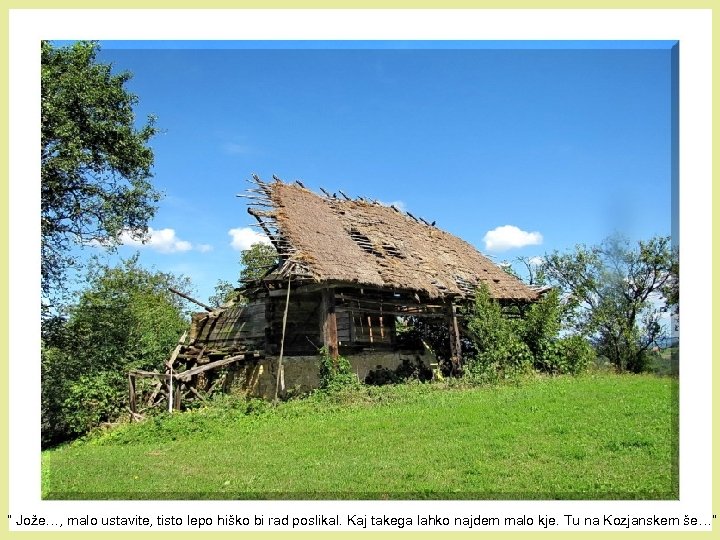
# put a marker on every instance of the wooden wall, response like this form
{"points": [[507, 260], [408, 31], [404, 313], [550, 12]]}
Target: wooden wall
{"points": [[258, 326], [303, 331], [238, 327], [303, 334]]}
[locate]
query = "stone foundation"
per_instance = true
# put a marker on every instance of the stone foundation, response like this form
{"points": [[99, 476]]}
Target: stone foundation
{"points": [[301, 373]]}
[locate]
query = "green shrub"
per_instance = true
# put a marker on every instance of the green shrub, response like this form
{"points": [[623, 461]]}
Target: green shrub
{"points": [[568, 355], [93, 399], [578, 353], [125, 318], [508, 360], [509, 347], [337, 374], [499, 347], [539, 329], [55, 375]]}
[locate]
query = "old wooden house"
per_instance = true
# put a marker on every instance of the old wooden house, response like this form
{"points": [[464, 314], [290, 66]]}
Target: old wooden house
{"points": [[347, 271]]}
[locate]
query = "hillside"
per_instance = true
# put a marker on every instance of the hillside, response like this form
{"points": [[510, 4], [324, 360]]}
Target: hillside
{"points": [[591, 437]]}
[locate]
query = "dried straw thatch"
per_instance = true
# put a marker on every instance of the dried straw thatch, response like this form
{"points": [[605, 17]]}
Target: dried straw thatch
{"points": [[369, 244]]}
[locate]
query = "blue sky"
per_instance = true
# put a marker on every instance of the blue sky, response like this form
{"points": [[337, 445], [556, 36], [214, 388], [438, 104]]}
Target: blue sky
{"points": [[520, 148]]}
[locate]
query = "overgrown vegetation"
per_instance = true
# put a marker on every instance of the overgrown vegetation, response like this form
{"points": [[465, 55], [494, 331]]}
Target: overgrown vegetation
{"points": [[509, 346], [500, 350], [336, 374], [124, 319]]}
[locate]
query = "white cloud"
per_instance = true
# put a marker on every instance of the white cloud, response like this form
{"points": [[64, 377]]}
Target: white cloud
{"points": [[204, 248], [161, 240], [243, 238], [510, 237]]}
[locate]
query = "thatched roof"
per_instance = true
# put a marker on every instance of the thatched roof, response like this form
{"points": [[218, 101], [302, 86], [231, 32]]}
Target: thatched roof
{"points": [[366, 243]]}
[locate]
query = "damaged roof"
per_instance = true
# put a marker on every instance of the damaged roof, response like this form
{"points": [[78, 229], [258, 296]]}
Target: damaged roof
{"points": [[327, 239]]}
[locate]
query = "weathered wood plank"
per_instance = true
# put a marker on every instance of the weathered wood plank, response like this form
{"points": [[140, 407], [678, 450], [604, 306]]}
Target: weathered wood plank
{"points": [[186, 375], [177, 398], [131, 388], [190, 298], [455, 345], [329, 323], [155, 374], [155, 392]]}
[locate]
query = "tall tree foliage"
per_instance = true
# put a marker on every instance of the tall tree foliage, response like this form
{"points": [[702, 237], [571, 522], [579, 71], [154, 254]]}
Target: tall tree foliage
{"points": [[254, 264], [95, 162], [125, 318], [616, 294]]}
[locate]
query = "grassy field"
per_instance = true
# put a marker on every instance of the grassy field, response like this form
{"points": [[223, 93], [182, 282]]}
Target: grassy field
{"points": [[592, 437]]}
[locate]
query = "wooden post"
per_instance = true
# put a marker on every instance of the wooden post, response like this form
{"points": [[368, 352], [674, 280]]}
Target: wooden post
{"points": [[329, 324], [169, 367], [131, 385], [455, 346], [178, 396], [280, 378]]}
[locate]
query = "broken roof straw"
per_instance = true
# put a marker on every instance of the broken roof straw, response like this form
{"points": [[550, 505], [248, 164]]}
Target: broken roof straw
{"points": [[357, 242]]}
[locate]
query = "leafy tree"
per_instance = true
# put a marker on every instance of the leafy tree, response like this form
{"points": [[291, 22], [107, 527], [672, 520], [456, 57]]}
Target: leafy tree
{"points": [[125, 318], [224, 292], [95, 163], [255, 263], [613, 291]]}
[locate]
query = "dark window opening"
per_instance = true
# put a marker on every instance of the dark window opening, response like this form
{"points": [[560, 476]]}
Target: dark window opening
{"points": [[372, 328]]}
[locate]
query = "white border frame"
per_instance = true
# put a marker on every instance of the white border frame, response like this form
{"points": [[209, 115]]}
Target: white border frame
{"points": [[691, 27]]}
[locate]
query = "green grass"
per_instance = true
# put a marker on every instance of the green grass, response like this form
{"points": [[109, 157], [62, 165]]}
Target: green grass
{"points": [[593, 437]]}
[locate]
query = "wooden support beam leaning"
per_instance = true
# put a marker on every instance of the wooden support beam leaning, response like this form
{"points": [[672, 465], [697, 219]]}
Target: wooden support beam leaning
{"points": [[280, 378], [186, 375], [273, 239], [178, 349], [155, 392], [153, 374], [131, 388], [191, 299]]}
